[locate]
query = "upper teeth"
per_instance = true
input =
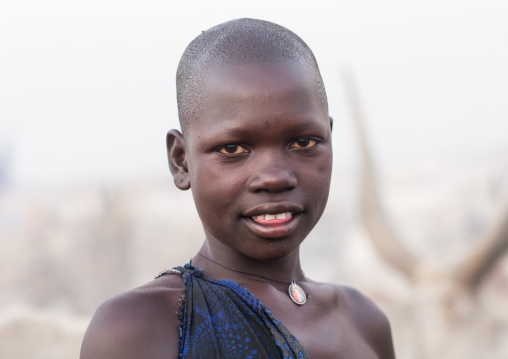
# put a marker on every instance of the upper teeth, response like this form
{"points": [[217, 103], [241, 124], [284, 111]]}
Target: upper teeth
{"points": [[283, 215]]}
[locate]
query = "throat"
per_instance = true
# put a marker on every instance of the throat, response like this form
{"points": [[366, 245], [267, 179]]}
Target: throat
{"points": [[295, 291]]}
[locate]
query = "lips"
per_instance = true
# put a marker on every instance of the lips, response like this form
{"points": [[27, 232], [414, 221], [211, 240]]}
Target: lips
{"points": [[273, 220], [273, 209]]}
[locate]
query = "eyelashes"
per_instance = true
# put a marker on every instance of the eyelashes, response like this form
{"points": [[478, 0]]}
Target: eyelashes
{"points": [[304, 142], [301, 143], [232, 149]]}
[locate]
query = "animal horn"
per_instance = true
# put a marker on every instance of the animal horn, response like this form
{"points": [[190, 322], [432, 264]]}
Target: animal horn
{"points": [[381, 233], [482, 257]]}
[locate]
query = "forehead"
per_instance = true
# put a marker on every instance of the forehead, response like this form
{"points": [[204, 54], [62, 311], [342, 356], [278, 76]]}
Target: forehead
{"points": [[259, 90]]}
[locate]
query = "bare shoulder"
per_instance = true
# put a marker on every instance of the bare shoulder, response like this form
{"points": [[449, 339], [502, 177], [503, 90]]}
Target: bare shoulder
{"points": [[140, 323], [370, 322]]}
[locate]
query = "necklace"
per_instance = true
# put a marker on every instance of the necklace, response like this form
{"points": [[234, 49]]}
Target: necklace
{"points": [[296, 292]]}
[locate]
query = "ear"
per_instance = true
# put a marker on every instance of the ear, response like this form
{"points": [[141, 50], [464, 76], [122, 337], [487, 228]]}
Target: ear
{"points": [[331, 122], [177, 159]]}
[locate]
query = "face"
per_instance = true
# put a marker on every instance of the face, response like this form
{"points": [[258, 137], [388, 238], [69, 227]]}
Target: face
{"points": [[259, 159]]}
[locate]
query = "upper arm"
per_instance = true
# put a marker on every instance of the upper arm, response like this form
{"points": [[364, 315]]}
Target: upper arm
{"points": [[372, 323], [112, 333], [381, 335], [103, 337], [134, 325]]}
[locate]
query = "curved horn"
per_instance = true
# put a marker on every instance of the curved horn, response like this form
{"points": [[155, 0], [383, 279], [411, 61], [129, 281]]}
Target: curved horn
{"points": [[383, 236], [484, 254]]}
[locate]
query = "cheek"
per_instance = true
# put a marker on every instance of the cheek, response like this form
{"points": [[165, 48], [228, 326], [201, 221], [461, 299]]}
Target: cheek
{"points": [[318, 169], [317, 183], [214, 188]]}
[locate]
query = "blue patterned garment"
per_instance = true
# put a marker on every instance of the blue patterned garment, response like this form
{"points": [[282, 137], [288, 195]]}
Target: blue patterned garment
{"points": [[220, 319]]}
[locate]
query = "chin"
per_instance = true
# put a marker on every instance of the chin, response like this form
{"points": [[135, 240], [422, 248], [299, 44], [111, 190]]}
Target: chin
{"points": [[272, 251]]}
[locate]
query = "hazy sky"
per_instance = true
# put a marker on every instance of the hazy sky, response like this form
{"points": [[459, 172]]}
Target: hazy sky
{"points": [[87, 87]]}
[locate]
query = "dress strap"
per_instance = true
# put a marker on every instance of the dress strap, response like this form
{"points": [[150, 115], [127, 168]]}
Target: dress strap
{"points": [[184, 272], [169, 271]]}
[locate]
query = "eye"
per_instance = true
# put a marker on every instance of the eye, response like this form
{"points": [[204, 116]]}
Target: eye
{"points": [[232, 149], [303, 142]]}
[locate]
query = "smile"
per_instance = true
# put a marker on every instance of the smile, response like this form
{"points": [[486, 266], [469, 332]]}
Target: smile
{"points": [[273, 218]]}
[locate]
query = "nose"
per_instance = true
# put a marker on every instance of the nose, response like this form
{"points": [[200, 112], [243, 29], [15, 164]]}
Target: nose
{"points": [[272, 174]]}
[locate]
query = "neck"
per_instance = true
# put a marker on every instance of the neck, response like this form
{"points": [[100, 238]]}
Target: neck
{"points": [[229, 263]]}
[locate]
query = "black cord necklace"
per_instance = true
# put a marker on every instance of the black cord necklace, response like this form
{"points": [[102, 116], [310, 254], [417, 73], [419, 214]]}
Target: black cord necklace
{"points": [[296, 292]]}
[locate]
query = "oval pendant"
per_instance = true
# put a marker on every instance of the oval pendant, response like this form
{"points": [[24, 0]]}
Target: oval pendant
{"points": [[297, 294]]}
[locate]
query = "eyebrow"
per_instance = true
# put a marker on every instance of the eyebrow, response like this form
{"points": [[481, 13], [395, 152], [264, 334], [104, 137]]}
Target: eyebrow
{"points": [[299, 126]]}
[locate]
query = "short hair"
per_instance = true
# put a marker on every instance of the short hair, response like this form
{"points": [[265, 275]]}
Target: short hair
{"points": [[238, 41]]}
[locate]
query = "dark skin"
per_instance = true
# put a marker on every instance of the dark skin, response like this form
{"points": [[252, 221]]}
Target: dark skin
{"points": [[261, 146]]}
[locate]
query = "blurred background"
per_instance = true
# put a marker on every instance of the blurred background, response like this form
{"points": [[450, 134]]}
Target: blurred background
{"points": [[88, 208]]}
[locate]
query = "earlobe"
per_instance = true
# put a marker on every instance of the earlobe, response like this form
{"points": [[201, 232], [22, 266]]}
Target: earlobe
{"points": [[177, 159], [331, 123]]}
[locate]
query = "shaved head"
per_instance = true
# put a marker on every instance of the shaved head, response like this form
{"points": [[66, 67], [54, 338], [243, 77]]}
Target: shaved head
{"points": [[242, 41]]}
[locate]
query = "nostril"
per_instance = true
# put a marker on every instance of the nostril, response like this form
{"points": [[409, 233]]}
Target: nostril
{"points": [[274, 180], [259, 190]]}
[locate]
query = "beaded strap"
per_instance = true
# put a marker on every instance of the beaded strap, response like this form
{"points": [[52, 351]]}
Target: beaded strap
{"points": [[168, 271]]}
